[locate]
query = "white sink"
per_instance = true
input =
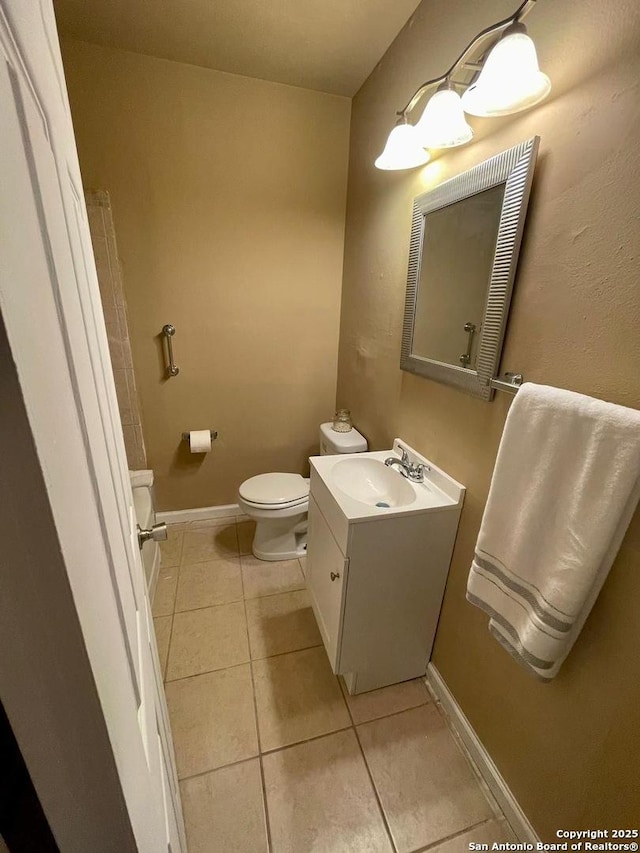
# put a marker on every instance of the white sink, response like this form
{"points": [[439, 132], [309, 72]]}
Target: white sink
{"points": [[363, 487], [371, 482]]}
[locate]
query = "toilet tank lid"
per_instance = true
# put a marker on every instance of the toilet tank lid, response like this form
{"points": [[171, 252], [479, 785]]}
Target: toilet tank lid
{"points": [[276, 488], [344, 442]]}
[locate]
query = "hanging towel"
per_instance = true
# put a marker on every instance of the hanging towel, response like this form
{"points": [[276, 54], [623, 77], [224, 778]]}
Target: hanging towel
{"points": [[564, 488]]}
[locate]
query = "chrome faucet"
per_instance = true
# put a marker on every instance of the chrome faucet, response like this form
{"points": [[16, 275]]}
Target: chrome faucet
{"points": [[413, 472]]}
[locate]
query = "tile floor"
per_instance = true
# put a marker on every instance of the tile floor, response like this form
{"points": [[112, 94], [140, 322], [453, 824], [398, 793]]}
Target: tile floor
{"points": [[273, 755]]}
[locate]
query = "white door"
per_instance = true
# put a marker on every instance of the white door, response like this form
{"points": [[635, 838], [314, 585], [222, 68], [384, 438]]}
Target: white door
{"points": [[51, 310]]}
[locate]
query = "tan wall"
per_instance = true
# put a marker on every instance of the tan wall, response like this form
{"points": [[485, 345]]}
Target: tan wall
{"points": [[569, 750], [228, 199]]}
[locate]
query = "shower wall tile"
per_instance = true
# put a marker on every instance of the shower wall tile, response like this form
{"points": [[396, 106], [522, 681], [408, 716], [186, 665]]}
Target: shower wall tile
{"points": [[115, 314], [94, 203], [115, 346], [134, 444]]}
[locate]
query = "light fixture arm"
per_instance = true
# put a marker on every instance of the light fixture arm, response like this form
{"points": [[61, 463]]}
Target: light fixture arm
{"points": [[468, 57]]}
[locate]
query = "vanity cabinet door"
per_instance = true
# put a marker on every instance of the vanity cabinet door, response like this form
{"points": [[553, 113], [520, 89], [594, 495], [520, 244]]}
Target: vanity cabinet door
{"points": [[326, 575]]}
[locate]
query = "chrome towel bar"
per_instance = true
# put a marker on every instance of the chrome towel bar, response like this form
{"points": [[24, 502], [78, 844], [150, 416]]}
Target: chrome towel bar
{"points": [[169, 331], [510, 383]]}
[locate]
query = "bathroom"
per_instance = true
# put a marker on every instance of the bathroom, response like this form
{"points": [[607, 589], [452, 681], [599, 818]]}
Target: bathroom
{"points": [[227, 159]]}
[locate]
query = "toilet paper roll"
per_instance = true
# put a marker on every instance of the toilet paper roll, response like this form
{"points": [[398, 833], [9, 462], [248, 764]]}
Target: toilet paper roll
{"points": [[200, 440]]}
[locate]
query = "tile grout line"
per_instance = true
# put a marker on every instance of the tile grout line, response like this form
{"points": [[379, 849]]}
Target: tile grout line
{"points": [[166, 662], [266, 752], [376, 793], [173, 613], [453, 836], [265, 805], [240, 663], [232, 600], [219, 767], [368, 769], [393, 713], [306, 740], [273, 594]]}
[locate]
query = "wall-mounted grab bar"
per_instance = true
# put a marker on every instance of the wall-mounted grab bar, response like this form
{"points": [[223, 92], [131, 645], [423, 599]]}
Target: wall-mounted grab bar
{"points": [[169, 331], [465, 358]]}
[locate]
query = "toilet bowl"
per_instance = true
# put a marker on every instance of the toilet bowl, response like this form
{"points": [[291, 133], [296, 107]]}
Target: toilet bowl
{"points": [[279, 502]]}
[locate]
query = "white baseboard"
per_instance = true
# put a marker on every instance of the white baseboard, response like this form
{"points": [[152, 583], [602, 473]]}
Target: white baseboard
{"points": [[483, 761], [201, 513]]}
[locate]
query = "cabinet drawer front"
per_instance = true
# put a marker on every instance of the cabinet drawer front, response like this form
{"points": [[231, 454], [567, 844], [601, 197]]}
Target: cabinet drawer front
{"points": [[326, 575]]}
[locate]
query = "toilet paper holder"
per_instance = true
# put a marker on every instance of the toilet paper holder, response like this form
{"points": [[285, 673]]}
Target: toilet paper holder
{"points": [[214, 435]]}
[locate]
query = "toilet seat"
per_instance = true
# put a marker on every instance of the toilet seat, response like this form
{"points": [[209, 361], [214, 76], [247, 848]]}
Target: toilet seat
{"points": [[278, 508], [275, 491]]}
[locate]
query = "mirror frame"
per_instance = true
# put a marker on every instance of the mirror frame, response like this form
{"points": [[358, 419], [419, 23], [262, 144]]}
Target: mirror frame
{"points": [[514, 168]]}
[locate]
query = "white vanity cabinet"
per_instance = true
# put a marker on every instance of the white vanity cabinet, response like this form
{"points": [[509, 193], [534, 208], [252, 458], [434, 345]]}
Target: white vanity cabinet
{"points": [[376, 578]]}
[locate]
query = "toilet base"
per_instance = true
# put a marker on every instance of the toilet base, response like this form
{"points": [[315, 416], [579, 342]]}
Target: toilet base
{"points": [[285, 555], [281, 540]]}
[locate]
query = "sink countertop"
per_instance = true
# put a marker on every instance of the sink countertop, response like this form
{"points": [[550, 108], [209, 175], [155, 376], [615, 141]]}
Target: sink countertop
{"points": [[438, 492]]}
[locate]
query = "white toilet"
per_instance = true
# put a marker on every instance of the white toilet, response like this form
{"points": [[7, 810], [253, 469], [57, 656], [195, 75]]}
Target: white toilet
{"points": [[278, 503]]}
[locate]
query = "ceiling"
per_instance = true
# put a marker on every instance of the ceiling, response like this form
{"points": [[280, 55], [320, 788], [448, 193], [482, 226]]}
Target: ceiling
{"points": [[328, 45]]}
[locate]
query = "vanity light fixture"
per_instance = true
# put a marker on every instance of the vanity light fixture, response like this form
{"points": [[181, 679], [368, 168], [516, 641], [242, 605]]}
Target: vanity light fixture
{"points": [[403, 149], [509, 80], [443, 124]]}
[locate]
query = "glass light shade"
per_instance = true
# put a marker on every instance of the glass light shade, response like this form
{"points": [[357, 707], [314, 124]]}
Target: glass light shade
{"points": [[403, 150], [442, 124], [510, 81]]}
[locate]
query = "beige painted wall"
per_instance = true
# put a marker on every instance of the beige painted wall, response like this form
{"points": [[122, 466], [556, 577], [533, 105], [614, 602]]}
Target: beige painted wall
{"points": [[569, 750], [228, 199]]}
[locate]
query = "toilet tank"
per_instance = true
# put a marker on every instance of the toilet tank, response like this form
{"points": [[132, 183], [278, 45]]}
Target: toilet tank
{"points": [[332, 442]]}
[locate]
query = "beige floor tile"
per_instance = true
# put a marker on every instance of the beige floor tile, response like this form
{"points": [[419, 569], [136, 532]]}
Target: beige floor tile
{"points": [[204, 523], [265, 578], [224, 810], [386, 700], [303, 565], [487, 833], [210, 543], [426, 787], [207, 639], [210, 583], [212, 719], [165, 594], [297, 697], [162, 628], [246, 529], [171, 549], [281, 623], [320, 799]]}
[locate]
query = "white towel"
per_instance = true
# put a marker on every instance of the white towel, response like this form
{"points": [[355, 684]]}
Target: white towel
{"points": [[564, 488]]}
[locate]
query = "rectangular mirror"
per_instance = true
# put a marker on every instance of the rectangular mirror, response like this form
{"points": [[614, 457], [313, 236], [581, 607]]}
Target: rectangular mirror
{"points": [[465, 240]]}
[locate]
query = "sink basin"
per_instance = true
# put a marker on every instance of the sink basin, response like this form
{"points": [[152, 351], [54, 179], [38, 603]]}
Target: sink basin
{"points": [[360, 487], [371, 482]]}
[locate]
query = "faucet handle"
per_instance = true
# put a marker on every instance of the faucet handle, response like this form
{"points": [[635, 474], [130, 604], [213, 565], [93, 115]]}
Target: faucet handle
{"points": [[405, 456]]}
